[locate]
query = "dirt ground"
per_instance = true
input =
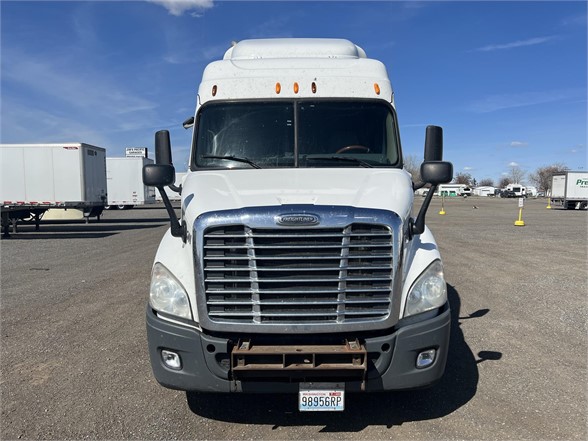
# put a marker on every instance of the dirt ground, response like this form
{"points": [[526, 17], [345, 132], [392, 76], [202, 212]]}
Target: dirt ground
{"points": [[74, 360]]}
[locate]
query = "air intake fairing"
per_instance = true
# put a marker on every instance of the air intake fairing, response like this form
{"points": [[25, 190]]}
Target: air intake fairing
{"points": [[303, 269]]}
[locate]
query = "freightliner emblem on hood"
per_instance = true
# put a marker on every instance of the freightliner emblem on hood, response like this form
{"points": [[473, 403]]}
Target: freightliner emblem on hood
{"points": [[297, 220]]}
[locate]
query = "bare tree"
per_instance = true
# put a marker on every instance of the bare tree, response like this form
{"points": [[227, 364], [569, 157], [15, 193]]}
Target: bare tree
{"points": [[487, 182], [542, 176], [413, 165], [504, 181], [516, 174], [463, 178]]}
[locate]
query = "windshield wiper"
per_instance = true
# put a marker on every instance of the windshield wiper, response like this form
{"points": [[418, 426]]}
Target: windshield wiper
{"points": [[340, 158], [232, 158]]}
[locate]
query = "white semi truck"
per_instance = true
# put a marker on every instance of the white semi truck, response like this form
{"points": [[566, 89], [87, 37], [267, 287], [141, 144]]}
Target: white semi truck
{"points": [[125, 183], [39, 177], [296, 265], [570, 189]]}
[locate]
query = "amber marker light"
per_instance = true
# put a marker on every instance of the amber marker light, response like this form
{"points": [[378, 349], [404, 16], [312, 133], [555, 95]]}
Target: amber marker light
{"points": [[214, 90], [313, 87], [278, 88], [377, 88], [296, 88]]}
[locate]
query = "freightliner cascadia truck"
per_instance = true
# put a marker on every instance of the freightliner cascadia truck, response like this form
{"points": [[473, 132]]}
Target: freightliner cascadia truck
{"points": [[296, 264]]}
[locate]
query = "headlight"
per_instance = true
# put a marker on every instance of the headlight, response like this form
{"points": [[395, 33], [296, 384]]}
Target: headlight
{"points": [[428, 292], [167, 294]]}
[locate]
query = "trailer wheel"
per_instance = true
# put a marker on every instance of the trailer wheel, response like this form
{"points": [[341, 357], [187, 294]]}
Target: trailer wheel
{"points": [[121, 207], [583, 205]]}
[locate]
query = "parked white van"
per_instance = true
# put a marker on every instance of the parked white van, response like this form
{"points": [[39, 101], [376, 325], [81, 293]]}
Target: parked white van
{"points": [[518, 189]]}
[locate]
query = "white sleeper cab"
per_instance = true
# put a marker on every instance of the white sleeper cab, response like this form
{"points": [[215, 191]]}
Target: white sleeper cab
{"points": [[295, 265]]}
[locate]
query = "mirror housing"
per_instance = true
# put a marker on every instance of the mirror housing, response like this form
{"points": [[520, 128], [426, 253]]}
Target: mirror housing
{"points": [[433, 144], [163, 154], [433, 152], [158, 175], [437, 172]]}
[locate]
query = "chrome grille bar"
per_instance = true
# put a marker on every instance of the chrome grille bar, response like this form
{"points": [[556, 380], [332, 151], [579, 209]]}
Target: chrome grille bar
{"points": [[298, 276]]}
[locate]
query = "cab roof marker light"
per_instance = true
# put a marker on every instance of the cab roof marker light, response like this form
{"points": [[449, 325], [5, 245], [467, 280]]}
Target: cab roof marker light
{"points": [[377, 88], [278, 88], [313, 87], [214, 89], [296, 88]]}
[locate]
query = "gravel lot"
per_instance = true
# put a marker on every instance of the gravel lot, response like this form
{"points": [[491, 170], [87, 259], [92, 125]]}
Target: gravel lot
{"points": [[74, 362]]}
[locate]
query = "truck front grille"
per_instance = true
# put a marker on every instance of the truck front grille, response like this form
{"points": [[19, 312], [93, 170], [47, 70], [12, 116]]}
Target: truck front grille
{"points": [[297, 276]]}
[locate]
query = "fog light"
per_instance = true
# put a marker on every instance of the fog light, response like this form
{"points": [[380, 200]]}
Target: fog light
{"points": [[426, 358], [171, 359]]}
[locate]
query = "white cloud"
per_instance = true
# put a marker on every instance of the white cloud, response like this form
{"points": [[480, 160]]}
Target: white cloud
{"points": [[513, 164], [178, 7], [574, 20], [50, 126], [80, 89], [493, 103], [468, 168], [577, 149], [76, 104], [519, 144], [515, 44]]}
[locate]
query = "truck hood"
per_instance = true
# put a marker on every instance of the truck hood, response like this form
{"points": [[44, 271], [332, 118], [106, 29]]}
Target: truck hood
{"points": [[207, 191]]}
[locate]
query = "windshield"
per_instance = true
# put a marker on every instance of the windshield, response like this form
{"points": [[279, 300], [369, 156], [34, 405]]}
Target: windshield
{"points": [[270, 134]]}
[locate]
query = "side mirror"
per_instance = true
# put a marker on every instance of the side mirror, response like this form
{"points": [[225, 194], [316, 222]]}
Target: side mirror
{"points": [[433, 151], [158, 175], [433, 144], [437, 172], [162, 174], [163, 154], [434, 171]]}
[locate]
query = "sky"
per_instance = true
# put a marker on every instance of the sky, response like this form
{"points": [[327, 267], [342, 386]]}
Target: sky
{"points": [[506, 80]]}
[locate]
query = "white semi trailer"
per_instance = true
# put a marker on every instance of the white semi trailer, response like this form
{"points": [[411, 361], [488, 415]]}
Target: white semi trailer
{"points": [[37, 177], [570, 189], [171, 194], [125, 183], [295, 265], [453, 190]]}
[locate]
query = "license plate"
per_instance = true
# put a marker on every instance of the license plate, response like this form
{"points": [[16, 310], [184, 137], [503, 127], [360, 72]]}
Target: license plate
{"points": [[317, 397]]}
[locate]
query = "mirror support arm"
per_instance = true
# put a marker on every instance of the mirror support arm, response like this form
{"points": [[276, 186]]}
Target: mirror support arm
{"points": [[177, 189], [417, 185], [177, 229], [418, 226]]}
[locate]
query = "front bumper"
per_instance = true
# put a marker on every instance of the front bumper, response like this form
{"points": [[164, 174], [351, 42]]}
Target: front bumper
{"points": [[206, 358]]}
